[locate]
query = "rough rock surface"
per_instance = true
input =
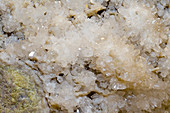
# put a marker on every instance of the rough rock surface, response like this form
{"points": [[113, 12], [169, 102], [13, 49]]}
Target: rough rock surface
{"points": [[91, 56], [18, 94]]}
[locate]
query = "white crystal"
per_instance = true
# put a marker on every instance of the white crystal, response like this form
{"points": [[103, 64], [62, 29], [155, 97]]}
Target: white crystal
{"points": [[31, 54]]}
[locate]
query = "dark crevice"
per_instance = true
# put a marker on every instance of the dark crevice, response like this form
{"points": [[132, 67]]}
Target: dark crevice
{"points": [[46, 99], [98, 83], [38, 69], [34, 6], [166, 7], [45, 13], [106, 3], [101, 12], [46, 50], [91, 94], [34, 60], [61, 74], [90, 16], [110, 6], [87, 67], [20, 35], [92, 69], [77, 109], [57, 79], [71, 18], [9, 33], [53, 79], [159, 17]]}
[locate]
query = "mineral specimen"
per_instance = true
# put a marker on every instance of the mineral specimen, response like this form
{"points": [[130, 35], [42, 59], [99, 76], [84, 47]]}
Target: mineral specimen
{"points": [[86, 56]]}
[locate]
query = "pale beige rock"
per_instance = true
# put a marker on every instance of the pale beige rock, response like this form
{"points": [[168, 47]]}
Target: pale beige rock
{"points": [[91, 56]]}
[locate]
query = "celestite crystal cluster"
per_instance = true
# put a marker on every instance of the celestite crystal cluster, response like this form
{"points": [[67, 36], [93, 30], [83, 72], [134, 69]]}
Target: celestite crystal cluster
{"points": [[85, 56]]}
